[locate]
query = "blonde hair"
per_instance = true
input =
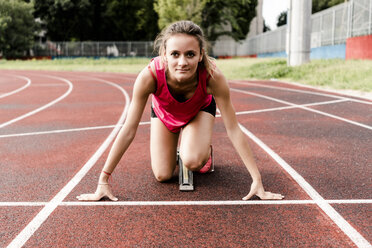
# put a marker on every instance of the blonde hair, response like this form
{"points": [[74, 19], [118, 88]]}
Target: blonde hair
{"points": [[189, 28]]}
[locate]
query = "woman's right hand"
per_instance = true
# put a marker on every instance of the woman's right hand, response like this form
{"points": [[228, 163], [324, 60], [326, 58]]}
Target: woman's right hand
{"points": [[102, 191]]}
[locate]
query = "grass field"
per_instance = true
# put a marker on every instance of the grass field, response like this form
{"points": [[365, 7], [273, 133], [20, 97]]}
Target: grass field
{"points": [[332, 73]]}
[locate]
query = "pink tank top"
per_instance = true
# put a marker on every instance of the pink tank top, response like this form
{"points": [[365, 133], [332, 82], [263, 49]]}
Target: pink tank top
{"points": [[172, 113]]}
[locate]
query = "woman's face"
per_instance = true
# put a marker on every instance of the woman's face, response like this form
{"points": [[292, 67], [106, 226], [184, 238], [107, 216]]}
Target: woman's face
{"points": [[182, 55]]}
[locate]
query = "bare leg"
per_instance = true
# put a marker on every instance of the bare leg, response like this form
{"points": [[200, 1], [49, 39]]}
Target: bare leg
{"points": [[163, 149], [196, 140]]}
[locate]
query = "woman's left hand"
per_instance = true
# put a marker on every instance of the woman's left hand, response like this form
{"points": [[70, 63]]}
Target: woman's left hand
{"points": [[258, 190]]}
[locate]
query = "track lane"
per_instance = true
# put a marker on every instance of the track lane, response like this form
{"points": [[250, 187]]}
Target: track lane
{"points": [[38, 220], [140, 213], [341, 222], [4, 92], [304, 107], [43, 107], [189, 226]]}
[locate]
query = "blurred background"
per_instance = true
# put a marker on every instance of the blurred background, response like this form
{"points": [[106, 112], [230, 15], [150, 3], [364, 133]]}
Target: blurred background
{"points": [[124, 28]]}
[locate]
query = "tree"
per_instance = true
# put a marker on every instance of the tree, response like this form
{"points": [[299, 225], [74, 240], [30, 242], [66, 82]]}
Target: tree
{"points": [[282, 19], [130, 20], [65, 19], [216, 17], [17, 28], [170, 11], [319, 5], [147, 20], [219, 15], [265, 27], [98, 20]]}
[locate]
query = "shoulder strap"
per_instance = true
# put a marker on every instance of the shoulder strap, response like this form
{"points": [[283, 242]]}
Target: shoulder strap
{"points": [[152, 73], [203, 79]]}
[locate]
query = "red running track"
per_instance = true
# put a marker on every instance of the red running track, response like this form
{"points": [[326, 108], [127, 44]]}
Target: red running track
{"points": [[310, 145]]}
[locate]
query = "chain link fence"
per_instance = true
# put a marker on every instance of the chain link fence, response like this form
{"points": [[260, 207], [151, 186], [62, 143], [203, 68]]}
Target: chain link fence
{"points": [[329, 27], [95, 49]]}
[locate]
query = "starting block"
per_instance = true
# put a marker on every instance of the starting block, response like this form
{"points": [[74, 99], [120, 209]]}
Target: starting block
{"points": [[186, 178]]}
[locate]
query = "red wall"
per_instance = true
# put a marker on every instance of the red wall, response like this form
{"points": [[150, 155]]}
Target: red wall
{"points": [[359, 47]]}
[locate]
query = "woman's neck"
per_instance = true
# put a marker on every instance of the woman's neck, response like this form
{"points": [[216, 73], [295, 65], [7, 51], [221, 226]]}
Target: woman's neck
{"points": [[184, 84]]}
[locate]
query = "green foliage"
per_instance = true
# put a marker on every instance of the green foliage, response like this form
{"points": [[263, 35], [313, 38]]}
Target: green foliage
{"points": [[319, 5], [218, 15], [104, 20], [265, 27], [282, 19], [17, 27], [170, 11], [65, 19]]}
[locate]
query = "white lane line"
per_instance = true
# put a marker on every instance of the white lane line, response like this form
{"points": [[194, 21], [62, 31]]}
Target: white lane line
{"points": [[19, 89], [22, 204], [46, 85], [36, 222], [147, 123], [288, 107], [305, 108], [300, 91], [44, 106], [329, 90], [350, 231], [186, 203], [65, 130], [351, 201]]}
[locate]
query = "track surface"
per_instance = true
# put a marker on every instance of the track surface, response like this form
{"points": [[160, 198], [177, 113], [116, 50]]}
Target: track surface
{"points": [[56, 129]]}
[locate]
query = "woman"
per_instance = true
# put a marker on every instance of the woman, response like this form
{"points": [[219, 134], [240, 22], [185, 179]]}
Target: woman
{"points": [[185, 87]]}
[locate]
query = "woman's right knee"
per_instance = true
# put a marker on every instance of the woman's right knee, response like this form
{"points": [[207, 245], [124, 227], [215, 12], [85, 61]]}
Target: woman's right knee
{"points": [[163, 176]]}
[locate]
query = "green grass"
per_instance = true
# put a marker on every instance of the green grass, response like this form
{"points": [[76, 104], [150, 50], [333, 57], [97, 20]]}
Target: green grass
{"points": [[126, 65], [332, 73]]}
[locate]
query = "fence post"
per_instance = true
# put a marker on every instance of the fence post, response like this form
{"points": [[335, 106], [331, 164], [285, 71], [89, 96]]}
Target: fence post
{"points": [[300, 33], [321, 29], [370, 16], [333, 25], [350, 19]]}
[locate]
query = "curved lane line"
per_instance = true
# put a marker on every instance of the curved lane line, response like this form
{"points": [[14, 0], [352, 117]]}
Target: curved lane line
{"points": [[36, 222], [304, 108], [43, 107], [19, 89], [301, 91]]}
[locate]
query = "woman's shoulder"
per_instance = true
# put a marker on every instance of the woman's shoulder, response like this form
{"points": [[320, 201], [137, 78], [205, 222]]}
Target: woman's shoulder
{"points": [[217, 82], [157, 63], [216, 74], [146, 79]]}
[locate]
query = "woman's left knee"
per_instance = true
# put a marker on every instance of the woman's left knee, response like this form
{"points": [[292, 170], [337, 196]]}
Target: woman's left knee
{"points": [[194, 163]]}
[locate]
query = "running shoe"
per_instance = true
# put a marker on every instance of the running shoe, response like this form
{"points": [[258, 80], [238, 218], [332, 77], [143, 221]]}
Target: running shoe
{"points": [[209, 166]]}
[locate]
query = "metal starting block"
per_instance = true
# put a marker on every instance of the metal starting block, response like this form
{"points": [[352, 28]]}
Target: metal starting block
{"points": [[186, 178]]}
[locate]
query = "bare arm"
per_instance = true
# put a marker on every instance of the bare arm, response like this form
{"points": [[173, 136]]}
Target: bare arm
{"points": [[143, 87], [220, 90]]}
